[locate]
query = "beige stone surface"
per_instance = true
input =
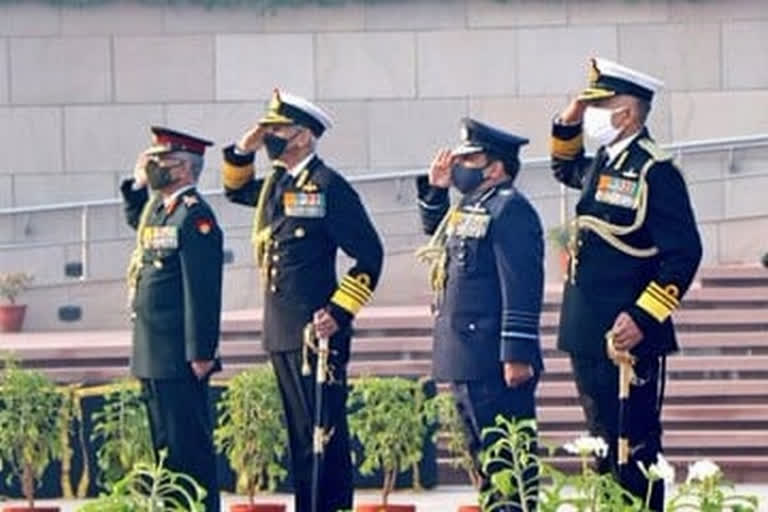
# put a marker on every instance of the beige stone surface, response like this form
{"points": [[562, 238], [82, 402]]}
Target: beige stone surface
{"points": [[4, 73], [705, 115], [60, 70], [684, 56], [613, 11], [482, 63], [37, 189], [21, 130], [29, 19], [745, 54], [108, 138], [122, 17], [491, 13], [419, 15], [555, 60], [249, 67], [407, 133], [529, 117], [365, 65], [346, 145], [164, 69]]}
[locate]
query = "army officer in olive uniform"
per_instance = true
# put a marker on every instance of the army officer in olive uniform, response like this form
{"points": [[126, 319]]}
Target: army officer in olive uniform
{"points": [[487, 273], [304, 213], [175, 279], [634, 253]]}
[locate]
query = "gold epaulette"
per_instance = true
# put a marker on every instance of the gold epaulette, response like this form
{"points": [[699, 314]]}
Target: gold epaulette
{"points": [[235, 176], [655, 152]]}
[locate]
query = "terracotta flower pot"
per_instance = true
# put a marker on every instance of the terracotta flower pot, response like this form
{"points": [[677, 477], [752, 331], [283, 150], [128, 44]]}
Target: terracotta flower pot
{"points": [[12, 317], [24, 508], [259, 507], [388, 508], [469, 508]]}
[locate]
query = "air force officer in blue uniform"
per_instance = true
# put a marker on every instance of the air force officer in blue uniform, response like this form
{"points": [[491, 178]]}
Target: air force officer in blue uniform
{"points": [[486, 256]]}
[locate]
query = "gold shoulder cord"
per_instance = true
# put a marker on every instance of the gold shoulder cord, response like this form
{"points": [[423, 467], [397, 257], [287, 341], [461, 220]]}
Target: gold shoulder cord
{"points": [[134, 264], [610, 233], [435, 255], [261, 234]]}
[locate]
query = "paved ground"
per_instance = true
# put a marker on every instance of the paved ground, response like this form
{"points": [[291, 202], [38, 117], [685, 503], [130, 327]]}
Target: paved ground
{"points": [[443, 499]]}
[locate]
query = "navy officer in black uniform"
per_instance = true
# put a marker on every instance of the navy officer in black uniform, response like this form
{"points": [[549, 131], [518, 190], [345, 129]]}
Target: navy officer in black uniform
{"points": [[487, 273], [634, 252], [304, 213], [175, 278]]}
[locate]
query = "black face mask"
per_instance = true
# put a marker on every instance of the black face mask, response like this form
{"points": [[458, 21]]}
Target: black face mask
{"points": [[159, 177], [466, 179], [275, 145]]}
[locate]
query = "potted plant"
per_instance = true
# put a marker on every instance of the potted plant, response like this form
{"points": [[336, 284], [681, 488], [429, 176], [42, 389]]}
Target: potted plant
{"points": [[151, 488], [121, 428], [456, 443], [12, 314], [391, 417], [30, 429], [251, 434], [559, 238]]}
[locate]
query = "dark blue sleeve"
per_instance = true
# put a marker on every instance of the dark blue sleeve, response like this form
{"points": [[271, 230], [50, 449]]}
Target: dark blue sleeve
{"points": [[433, 204], [518, 246]]}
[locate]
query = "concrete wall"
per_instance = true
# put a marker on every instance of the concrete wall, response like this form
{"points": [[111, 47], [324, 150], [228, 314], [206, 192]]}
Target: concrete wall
{"points": [[79, 86]]}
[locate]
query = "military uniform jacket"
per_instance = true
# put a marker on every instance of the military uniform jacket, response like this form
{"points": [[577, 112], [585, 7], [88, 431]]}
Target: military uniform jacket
{"points": [[488, 310], [636, 247], [309, 218], [177, 300]]}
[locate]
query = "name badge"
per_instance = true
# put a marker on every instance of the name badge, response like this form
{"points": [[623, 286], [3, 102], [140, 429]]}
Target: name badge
{"points": [[304, 204], [160, 237], [469, 224], [617, 191]]}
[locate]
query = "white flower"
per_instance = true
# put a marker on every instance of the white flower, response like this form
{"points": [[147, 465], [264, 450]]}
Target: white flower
{"points": [[586, 445], [662, 470], [702, 470]]}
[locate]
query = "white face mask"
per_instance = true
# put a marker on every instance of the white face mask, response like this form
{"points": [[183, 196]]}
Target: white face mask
{"points": [[598, 125]]}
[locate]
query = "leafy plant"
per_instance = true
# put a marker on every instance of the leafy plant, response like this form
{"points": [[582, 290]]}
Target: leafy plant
{"points": [[391, 417], [457, 444], [122, 429], [705, 490], [512, 459], [559, 236], [251, 431], [151, 488], [30, 425], [13, 283]]}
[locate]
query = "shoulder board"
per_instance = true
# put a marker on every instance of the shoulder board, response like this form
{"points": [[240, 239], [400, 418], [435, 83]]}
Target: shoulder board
{"points": [[654, 151]]}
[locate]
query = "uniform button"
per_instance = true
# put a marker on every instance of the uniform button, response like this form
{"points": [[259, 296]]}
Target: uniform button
{"points": [[299, 233], [133, 315], [273, 288], [275, 258], [463, 243], [158, 264], [472, 327], [275, 244], [273, 272]]}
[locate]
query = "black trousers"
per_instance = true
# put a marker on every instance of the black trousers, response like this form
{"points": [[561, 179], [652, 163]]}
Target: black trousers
{"points": [[479, 402], [597, 380], [180, 421], [298, 395]]}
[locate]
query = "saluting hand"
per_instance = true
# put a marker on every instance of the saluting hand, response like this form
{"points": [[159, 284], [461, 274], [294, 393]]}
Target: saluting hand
{"points": [[140, 170], [325, 324], [574, 112], [201, 369], [252, 140], [626, 334], [440, 170], [516, 373]]}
